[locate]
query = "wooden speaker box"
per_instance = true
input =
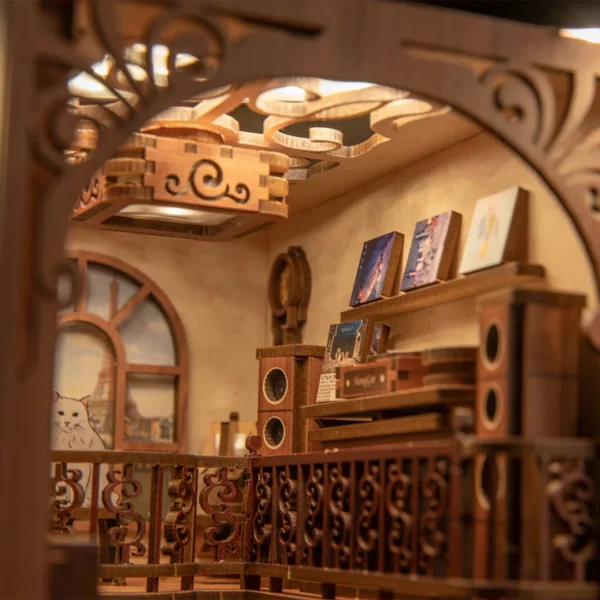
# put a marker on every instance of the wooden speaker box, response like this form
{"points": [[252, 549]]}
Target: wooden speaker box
{"points": [[288, 379], [527, 384]]}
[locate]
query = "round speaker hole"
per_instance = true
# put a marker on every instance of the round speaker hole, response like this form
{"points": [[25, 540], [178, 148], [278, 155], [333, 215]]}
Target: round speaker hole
{"points": [[274, 432], [492, 343], [275, 385]]}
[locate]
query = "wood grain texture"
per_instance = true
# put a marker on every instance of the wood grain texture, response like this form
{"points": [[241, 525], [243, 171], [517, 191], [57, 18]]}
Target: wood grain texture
{"points": [[299, 350], [405, 400], [467, 286], [425, 423]]}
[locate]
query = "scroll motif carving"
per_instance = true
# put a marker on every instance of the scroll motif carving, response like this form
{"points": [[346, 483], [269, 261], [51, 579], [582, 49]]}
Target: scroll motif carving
{"points": [[206, 181], [397, 501], [434, 492], [90, 194], [313, 524], [124, 511], [287, 514], [340, 518], [369, 492], [179, 522], [261, 533], [571, 494], [225, 532], [68, 495]]}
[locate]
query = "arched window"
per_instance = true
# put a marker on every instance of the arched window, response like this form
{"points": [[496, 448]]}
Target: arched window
{"points": [[123, 345]]}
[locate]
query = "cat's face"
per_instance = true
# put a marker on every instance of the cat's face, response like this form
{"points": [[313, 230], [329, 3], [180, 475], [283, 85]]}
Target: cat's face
{"points": [[69, 414]]}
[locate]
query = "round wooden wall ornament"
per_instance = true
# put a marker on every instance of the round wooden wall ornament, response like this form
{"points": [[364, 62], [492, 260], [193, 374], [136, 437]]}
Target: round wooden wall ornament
{"points": [[289, 294]]}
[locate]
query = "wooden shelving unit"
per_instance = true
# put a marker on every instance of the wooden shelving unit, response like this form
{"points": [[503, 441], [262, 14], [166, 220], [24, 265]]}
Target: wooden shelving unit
{"points": [[416, 424], [405, 401], [513, 274]]}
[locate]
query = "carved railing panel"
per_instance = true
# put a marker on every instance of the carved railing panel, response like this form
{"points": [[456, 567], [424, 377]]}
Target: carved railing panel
{"points": [[179, 524], [68, 495], [383, 513], [392, 511], [122, 505], [225, 533], [570, 491], [128, 534]]}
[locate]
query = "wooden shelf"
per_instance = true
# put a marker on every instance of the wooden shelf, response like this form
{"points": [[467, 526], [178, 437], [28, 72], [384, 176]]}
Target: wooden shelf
{"points": [[465, 286], [430, 397], [416, 424]]}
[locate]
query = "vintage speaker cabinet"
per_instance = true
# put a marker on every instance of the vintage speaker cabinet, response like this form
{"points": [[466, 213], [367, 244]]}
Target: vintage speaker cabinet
{"points": [[288, 379], [527, 384]]}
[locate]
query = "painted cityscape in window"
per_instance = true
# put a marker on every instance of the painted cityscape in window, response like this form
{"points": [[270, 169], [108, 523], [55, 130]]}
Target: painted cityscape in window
{"points": [[86, 363]]}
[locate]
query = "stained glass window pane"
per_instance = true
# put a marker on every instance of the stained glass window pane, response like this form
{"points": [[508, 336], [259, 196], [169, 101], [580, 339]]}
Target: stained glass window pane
{"points": [[150, 408], [84, 366], [107, 291], [147, 336]]}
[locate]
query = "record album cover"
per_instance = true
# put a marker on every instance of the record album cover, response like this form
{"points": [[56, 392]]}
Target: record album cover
{"points": [[347, 344], [377, 268], [433, 245], [498, 231]]}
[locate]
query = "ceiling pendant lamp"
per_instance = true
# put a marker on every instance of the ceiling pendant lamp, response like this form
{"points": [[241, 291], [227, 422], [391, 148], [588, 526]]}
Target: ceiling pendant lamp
{"points": [[179, 187]]}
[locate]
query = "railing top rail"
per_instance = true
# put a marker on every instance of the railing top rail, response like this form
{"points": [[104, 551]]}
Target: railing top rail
{"points": [[422, 448], [462, 446], [148, 458]]}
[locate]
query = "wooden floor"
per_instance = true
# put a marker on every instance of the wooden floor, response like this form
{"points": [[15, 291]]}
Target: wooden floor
{"points": [[201, 582]]}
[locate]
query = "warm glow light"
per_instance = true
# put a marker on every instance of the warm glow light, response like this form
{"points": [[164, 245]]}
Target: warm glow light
{"points": [[327, 86], [86, 86], [288, 93], [587, 34], [175, 214]]}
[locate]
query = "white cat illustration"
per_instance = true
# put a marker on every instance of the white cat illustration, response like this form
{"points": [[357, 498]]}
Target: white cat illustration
{"points": [[72, 430]]}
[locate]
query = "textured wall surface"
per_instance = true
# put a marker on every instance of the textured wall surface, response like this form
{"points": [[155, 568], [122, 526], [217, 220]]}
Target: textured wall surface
{"points": [[220, 290], [333, 234]]}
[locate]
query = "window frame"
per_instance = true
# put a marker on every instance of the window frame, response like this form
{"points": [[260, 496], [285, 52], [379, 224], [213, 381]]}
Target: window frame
{"points": [[180, 371]]}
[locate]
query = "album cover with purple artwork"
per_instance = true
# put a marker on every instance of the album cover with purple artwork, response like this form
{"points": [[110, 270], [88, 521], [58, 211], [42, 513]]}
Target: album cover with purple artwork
{"points": [[431, 251], [377, 268]]}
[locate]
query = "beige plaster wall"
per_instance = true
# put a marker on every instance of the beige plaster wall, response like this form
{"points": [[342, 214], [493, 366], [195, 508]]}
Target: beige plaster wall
{"points": [[333, 233], [219, 291]]}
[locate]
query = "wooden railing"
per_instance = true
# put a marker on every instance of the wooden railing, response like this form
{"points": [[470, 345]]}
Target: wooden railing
{"points": [[194, 484], [402, 518]]}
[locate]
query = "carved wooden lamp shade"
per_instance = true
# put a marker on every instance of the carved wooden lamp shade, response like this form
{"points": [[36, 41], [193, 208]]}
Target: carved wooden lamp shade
{"points": [[218, 168], [181, 187]]}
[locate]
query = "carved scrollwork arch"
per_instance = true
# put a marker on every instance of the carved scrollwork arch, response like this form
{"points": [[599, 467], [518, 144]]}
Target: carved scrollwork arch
{"points": [[534, 90]]}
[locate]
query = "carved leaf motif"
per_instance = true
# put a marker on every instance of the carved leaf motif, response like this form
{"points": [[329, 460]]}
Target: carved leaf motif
{"points": [[341, 520], [434, 492], [571, 493], [68, 495], [261, 532], [397, 499], [287, 514], [124, 510], [225, 532], [178, 524]]}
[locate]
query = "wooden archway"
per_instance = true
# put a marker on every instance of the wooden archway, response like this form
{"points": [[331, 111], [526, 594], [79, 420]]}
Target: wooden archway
{"points": [[534, 90]]}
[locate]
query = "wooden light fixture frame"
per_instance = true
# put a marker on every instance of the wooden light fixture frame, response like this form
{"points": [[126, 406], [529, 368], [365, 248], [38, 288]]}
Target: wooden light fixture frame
{"points": [[534, 90]]}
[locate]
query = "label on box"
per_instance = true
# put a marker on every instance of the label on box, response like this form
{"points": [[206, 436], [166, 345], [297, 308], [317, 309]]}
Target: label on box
{"points": [[327, 386], [365, 381]]}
